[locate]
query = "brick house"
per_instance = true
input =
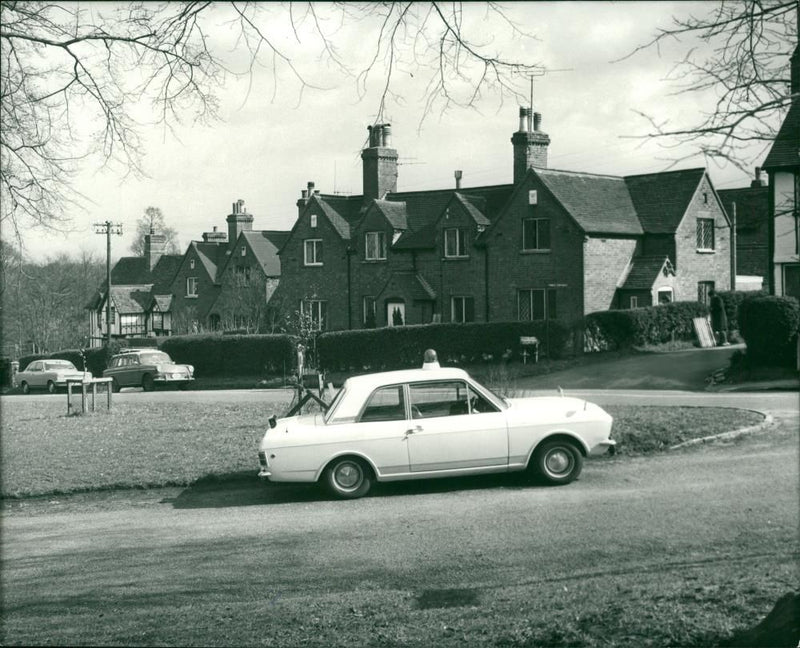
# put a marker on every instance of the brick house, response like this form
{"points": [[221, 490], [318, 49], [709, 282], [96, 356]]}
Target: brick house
{"points": [[217, 283], [783, 168], [551, 245]]}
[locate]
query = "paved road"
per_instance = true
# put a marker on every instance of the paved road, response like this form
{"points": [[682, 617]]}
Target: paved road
{"points": [[169, 553]]}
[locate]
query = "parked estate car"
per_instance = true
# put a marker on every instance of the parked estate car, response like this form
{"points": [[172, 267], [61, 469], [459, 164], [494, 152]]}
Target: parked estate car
{"points": [[147, 368], [431, 422], [49, 374]]}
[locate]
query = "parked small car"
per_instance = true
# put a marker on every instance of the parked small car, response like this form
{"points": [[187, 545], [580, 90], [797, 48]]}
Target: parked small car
{"points": [[50, 374], [431, 422], [148, 369]]}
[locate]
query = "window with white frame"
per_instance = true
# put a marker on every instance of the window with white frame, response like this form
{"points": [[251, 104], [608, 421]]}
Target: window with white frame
{"points": [[317, 311], [455, 242], [462, 309], [375, 246], [312, 252], [705, 234], [243, 251], [535, 234], [665, 296], [191, 264], [634, 303], [191, 286]]}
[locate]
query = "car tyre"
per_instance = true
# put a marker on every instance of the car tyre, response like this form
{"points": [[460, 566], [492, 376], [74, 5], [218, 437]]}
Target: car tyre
{"points": [[51, 387], [25, 387], [348, 478], [147, 383], [558, 462]]}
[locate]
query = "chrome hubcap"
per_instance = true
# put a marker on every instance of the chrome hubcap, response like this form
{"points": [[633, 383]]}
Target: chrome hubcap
{"points": [[348, 475], [558, 461]]}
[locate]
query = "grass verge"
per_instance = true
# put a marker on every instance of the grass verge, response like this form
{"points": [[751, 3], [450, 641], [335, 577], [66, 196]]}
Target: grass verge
{"points": [[177, 443]]}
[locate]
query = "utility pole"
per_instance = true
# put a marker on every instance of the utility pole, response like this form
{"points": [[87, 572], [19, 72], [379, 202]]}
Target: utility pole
{"points": [[734, 260], [108, 228]]}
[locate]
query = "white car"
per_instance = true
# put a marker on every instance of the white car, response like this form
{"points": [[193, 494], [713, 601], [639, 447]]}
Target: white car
{"points": [[49, 374], [431, 422]]}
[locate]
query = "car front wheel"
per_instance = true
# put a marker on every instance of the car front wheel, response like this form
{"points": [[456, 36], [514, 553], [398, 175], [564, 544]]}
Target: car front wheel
{"points": [[25, 387], [348, 478], [147, 383], [558, 462]]}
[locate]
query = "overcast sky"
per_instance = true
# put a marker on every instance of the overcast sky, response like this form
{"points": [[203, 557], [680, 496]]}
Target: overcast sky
{"points": [[265, 149]]}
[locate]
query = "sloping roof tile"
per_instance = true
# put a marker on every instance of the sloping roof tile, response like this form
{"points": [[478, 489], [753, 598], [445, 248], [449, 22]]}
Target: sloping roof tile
{"points": [[395, 213], [599, 204], [785, 150], [644, 271], [212, 256], [409, 283], [131, 300], [265, 244], [339, 222], [661, 199]]}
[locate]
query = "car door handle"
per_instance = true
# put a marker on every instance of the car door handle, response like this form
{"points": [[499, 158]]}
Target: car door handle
{"points": [[417, 428]]}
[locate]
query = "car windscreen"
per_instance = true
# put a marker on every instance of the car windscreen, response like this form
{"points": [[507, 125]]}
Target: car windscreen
{"points": [[154, 358], [59, 366]]}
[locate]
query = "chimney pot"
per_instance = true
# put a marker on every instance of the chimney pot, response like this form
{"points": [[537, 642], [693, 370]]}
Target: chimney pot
{"points": [[304, 194], [458, 179], [214, 228], [316, 192], [310, 188], [387, 135], [537, 121], [523, 113]]}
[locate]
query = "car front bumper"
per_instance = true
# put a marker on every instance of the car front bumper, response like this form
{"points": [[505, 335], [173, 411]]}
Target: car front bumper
{"points": [[609, 446]]}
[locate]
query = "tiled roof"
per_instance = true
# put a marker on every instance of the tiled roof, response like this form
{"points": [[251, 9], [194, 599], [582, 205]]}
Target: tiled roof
{"points": [[644, 271], [131, 299], [409, 283], [212, 256], [395, 213], [265, 244], [752, 206], [470, 204], [785, 150], [661, 199], [599, 204], [339, 222], [131, 271]]}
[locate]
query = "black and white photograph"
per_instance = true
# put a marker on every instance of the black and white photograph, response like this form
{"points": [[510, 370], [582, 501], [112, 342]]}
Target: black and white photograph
{"points": [[400, 323]]}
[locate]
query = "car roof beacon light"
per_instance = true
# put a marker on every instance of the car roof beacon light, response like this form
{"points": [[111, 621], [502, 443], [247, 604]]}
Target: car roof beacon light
{"points": [[429, 360]]}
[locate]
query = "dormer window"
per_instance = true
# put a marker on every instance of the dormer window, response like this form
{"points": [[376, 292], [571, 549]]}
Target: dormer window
{"points": [[455, 243], [375, 246]]}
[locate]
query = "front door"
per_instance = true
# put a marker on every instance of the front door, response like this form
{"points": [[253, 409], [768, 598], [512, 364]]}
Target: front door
{"points": [[453, 428]]}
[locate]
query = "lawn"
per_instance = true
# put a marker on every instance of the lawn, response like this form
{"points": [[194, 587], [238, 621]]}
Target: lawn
{"points": [[176, 444]]}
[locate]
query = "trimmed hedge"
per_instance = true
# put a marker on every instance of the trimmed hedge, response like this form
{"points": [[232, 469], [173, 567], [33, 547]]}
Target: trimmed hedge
{"points": [[769, 326], [615, 329], [403, 346], [232, 355], [732, 300]]}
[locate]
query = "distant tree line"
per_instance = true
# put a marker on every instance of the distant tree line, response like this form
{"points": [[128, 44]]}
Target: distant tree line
{"points": [[42, 303]]}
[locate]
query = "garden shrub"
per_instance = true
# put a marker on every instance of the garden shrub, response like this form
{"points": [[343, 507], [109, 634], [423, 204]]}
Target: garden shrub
{"points": [[732, 300], [232, 355], [619, 329], [403, 346], [769, 326], [5, 372]]}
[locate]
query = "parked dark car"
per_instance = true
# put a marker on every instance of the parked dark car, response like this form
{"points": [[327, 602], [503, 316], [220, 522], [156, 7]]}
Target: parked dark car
{"points": [[148, 369]]}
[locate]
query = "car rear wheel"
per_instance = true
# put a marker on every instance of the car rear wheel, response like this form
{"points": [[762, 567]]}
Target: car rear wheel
{"points": [[558, 462], [348, 478], [51, 387], [147, 383], [25, 387], [115, 385]]}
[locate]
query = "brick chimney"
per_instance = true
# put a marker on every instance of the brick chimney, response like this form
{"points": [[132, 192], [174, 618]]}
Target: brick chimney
{"points": [[758, 181], [379, 163], [238, 221], [530, 144], [215, 236], [305, 196], [154, 245]]}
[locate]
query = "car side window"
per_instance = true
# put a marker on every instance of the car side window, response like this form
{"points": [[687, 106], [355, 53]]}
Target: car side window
{"points": [[385, 404], [35, 366], [435, 399]]}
